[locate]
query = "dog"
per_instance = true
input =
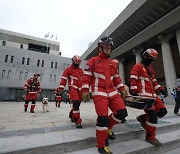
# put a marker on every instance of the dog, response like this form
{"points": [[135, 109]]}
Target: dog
{"points": [[45, 105]]}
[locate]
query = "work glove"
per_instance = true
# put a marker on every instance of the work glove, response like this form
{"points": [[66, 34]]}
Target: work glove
{"points": [[85, 96], [60, 92], [123, 93], [164, 93]]}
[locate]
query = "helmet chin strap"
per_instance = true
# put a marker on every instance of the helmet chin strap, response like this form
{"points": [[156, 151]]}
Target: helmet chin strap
{"points": [[108, 55]]}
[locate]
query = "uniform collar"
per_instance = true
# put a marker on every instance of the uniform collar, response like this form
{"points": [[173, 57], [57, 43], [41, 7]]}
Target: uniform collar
{"points": [[102, 55]]}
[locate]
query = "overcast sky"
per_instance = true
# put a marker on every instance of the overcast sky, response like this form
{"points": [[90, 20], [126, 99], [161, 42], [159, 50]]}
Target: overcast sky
{"points": [[75, 22]]}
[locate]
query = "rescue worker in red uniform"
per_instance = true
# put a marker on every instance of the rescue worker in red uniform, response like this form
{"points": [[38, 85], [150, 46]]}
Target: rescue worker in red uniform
{"points": [[101, 74], [143, 83], [58, 97], [73, 74], [32, 88]]}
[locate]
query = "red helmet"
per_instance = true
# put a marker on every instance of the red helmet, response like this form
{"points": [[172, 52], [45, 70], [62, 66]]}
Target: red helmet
{"points": [[76, 59], [150, 53], [105, 41]]}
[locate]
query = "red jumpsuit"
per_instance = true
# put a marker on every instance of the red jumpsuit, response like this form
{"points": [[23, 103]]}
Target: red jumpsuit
{"points": [[101, 74], [58, 97], [74, 77], [32, 87], [145, 84]]}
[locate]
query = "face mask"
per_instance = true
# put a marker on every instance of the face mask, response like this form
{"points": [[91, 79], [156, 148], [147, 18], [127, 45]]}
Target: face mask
{"points": [[147, 61], [76, 65]]}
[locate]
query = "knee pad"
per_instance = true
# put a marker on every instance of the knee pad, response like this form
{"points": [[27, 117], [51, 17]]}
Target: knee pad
{"points": [[76, 105], [152, 114], [27, 102], [33, 101], [103, 121], [121, 114], [162, 112]]}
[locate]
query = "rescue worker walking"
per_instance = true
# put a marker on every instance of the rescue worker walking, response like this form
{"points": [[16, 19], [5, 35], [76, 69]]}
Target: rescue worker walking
{"points": [[58, 97], [32, 88], [101, 74], [143, 83], [73, 74]]}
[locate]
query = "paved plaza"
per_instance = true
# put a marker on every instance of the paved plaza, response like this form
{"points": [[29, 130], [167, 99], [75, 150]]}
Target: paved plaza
{"points": [[21, 130]]}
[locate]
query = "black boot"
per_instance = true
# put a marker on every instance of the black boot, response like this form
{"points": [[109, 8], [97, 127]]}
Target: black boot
{"points": [[111, 135], [104, 150], [142, 120], [78, 125]]}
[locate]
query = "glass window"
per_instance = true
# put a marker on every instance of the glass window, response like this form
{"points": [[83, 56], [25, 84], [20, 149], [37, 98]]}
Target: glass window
{"points": [[12, 57], [55, 64], [41, 77], [6, 58], [9, 74], [54, 78], [4, 43], [50, 78], [51, 64], [42, 63], [23, 60], [3, 74], [20, 75], [38, 62], [21, 46], [25, 75], [28, 61]]}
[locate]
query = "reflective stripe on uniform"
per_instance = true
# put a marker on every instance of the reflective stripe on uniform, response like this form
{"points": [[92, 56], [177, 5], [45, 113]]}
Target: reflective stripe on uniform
{"points": [[147, 94], [104, 93], [85, 86], [134, 77], [76, 111], [32, 92], [133, 87], [63, 77], [116, 75], [143, 78], [101, 128], [61, 86], [88, 73], [119, 85], [151, 124], [156, 87], [98, 75], [117, 120]]}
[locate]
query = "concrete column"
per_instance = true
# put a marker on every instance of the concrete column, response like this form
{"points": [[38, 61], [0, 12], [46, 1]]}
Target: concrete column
{"points": [[169, 69], [137, 53], [178, 39], [121, 69]]}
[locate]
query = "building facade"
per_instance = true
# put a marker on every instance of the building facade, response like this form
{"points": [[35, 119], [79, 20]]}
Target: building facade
{"points": [[141, 25], [21, 56]]}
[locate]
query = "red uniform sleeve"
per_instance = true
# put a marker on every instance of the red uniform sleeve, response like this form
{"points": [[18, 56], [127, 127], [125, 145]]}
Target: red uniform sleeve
{"points": [[39, 87], [87, 76], [64, 79], [156, 85], [134, 77], [116, 79]]}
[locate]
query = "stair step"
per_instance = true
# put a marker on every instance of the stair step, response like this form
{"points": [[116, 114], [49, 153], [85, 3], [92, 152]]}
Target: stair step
{"points": [[170, 140], [63, 141]]}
